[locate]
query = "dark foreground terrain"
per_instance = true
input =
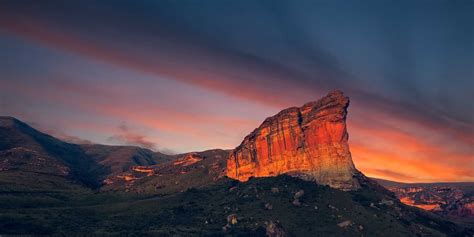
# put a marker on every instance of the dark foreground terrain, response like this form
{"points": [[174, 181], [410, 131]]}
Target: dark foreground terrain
{"points": [[266, 205]]}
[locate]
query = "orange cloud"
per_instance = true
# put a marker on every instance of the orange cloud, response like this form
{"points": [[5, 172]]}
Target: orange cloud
{"points": [[170, 121], [372, 161], [396, 155], [433, 150], [208, 71]]}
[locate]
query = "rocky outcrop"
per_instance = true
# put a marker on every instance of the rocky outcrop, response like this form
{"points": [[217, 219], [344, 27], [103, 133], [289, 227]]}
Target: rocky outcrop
{"points": [[189, 159], [309, 142]]}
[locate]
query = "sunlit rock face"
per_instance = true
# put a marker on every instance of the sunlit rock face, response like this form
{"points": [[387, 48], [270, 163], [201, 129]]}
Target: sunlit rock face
{"points": [[309, 142]]}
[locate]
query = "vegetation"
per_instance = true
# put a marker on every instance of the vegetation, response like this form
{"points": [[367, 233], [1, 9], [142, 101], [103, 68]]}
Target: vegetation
{"points": [[320, 211]]}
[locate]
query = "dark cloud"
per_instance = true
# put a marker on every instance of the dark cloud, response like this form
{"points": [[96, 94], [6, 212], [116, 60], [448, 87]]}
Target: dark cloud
{"points": [[408, 51], [410, 61], [128, 137], [392, 175], [73, 139]]}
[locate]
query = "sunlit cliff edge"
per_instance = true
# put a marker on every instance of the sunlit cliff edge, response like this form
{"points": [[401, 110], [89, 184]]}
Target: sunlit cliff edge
{"points": [[310, 142]]}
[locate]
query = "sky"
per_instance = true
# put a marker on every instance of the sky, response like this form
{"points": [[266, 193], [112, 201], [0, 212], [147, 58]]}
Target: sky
{"points": [[180, 76]]}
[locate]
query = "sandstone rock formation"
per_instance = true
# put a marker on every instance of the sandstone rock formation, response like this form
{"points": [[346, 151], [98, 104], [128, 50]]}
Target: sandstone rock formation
{"points": [[309, 142]]}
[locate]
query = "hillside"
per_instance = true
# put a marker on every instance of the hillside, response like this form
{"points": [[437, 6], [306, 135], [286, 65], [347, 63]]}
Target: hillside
{"points": [[27, 154], [260, 206], [292, 176]]}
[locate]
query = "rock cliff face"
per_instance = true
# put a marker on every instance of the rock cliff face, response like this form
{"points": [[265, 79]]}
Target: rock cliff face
{"points": [[309, 142]]}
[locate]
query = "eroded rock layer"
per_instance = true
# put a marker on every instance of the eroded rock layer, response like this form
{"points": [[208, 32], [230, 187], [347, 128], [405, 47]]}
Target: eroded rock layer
{"points": [[309, 142]]}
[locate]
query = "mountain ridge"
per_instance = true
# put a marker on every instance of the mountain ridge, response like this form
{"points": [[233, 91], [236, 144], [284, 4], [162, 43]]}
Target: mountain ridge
{"points": [[48, 186], [84, 162]]}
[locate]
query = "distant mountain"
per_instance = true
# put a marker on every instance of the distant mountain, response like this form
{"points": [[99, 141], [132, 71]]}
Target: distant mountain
{"points": [[455, 200], [114, 160], [27, 152]]}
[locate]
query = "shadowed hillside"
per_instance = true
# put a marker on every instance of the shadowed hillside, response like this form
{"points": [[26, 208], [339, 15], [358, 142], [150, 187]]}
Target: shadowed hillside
{"points": [[48, 186]]}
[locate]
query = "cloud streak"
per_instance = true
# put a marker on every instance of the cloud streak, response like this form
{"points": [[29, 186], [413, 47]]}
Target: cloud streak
{"points": [[265, 58]]}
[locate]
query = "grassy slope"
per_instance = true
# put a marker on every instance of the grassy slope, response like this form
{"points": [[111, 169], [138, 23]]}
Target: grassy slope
{"points": [[204, 211], [118, 159], [171, 178]]}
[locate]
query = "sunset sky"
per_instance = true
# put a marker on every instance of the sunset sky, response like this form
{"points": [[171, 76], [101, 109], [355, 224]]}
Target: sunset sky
{"points": [[178, 76]]}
